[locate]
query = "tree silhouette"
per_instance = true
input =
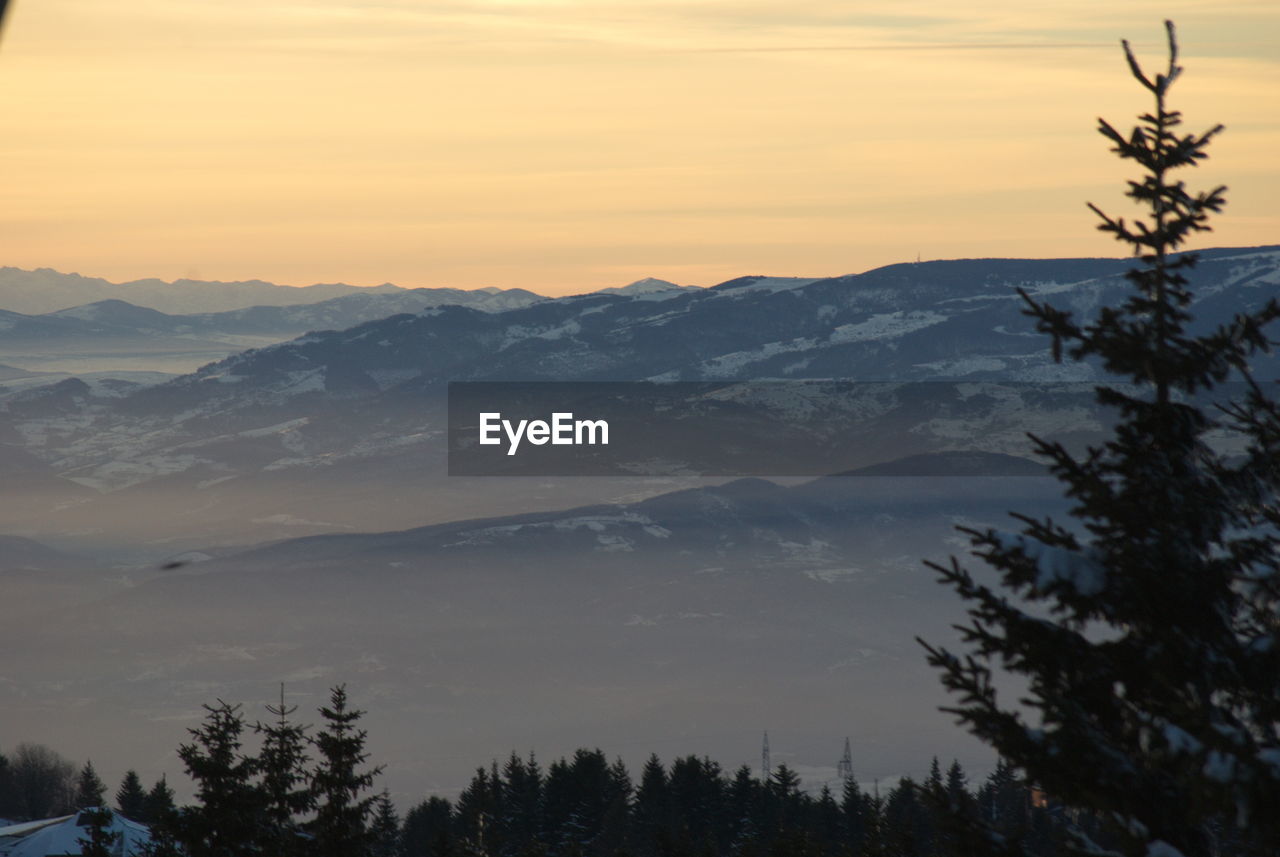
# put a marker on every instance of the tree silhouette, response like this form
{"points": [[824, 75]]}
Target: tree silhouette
{"points": [[1147, 632], [343, 811]]}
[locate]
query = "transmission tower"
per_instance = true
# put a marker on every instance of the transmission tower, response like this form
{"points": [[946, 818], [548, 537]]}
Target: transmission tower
{"points": [[844, 768]]}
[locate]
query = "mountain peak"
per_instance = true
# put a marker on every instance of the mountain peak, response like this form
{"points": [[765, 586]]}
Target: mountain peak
{"points": [[645, 286]]}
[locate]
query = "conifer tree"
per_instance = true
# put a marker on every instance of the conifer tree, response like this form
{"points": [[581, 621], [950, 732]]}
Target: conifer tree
{"points": [[101, 841], [1147, 631], [476, 811], [131, 799], [341, 824], [161, 816], [385, 829], [282, 764], [427, 829], [159, 806], [653, 809], [91, 792], [854, 808], [228, 820], [743, 808], [520, 824]]}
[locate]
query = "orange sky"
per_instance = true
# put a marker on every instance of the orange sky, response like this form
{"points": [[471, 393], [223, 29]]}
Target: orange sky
{"points": [[564, 145]]}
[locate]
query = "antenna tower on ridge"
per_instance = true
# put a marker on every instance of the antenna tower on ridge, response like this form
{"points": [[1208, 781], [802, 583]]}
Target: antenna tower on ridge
{"points": [[844, 768]]}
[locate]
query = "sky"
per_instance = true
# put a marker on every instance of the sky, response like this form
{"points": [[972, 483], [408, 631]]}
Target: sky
{"points": [[566, 145]]}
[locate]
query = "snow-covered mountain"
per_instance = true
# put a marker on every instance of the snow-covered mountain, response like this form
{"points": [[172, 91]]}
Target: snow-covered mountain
{"points": [[359, 411], [925, 321], [645, 286], [539, 613]]}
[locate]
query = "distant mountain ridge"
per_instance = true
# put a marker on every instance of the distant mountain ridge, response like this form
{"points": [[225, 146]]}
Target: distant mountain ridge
{"points": [[113, 317], [45, 290], [360, 411], [925, 321]]}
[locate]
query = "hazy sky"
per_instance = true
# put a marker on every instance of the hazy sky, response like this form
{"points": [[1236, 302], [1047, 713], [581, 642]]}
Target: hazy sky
{"points": [[562, 145]]}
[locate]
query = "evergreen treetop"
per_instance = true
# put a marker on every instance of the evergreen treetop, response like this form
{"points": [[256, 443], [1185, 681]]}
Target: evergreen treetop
{"points": [[1148, 631], [91, 792], [343, 809], [228, 819], [131, 798]]}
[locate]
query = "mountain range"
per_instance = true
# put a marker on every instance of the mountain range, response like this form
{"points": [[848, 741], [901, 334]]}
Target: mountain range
{"points": [[45, 290], [284, 514], [345, 428]]}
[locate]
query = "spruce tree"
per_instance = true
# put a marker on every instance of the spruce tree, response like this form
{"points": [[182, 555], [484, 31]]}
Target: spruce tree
{"points": [[131, 799], [101, 840], [160, 815], [159, 806], [653, 809], [855, 810], [385, 829], [1146, 632], [520, 824], [338, 785], [427, 829], [286, 792], [476, 811], [228, 820], [91, 792]]}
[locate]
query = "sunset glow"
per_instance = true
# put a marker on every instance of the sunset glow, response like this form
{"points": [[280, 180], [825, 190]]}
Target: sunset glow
{"points": [[566, 145]]}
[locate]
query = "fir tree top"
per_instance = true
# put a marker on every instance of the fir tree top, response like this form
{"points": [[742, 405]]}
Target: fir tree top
{"points": [[1147, 631]]}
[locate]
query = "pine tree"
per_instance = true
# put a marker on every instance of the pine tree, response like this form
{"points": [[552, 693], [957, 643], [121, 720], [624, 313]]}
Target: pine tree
{"points": [[341, 824], [653, 809], [428, 829], [476, 810], [161, 816], [1147, 632], [229, 819], [131, 799], [386, 827], [828, 822], [854, 809], [743, 800], [159, 806], [282, 764], [520, 823], [91, 792], [101, 841], [906, 830]]}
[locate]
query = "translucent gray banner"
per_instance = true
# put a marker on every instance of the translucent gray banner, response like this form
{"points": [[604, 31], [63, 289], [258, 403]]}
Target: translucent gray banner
{"points": [[762, 428]]}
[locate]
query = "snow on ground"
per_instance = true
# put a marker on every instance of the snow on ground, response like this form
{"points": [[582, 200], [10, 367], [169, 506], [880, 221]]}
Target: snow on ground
{"points": [[599, 524], [519, 333], [735, 362], [961, 366], [773, 284], [388, 378], [885, 326]]}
